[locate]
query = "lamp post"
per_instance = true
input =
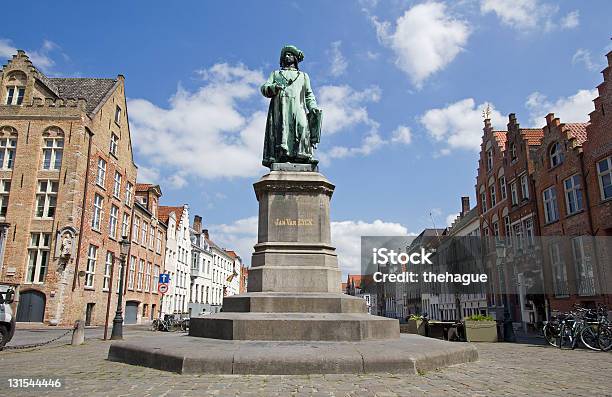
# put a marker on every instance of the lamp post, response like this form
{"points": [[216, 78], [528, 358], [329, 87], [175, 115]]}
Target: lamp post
{"points": [[509, 336], [117, 332]]}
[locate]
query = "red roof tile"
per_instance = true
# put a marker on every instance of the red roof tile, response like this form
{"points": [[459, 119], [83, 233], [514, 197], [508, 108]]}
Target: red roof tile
{"points": [[533, 136], [143, 187], [163, 213], [577, 130], [231, 253], [500, 136]]}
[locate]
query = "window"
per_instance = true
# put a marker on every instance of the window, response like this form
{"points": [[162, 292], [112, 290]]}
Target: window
{"points": [[114, 142], [573, 194], [155, 278], [502, 187], [117, 185], [107, 271], [496, 229], [604, 172], [507, 227], [101, 175], [90, 271], [158, 244], [7, 153], [143, 236], [583, 266], [528, 223], [556, 155], [96, 220], [518, 234], [551, 211], [559, 271], [5, 188], [524, 187], [151, 237], [135, 229], [38, 257], [125, 225], [129, 188], [513, 156], [140, 275], [493, 198], [483, 200], [513, 193], [46, 199], [132, 272], [14, 95], [489, 159], [148, 278], [52, 153], [113, 221], [117, 114]]}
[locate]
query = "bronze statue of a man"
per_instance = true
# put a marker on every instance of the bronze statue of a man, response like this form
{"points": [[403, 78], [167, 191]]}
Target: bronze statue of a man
{"points": [[293, 127]]}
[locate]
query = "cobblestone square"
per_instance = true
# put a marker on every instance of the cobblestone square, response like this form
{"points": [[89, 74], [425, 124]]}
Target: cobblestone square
{"points": [[502, 370]]}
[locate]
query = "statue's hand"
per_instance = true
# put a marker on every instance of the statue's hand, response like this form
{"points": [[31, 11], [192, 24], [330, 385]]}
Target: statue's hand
{"points": [[277, 88], [315, 110]]}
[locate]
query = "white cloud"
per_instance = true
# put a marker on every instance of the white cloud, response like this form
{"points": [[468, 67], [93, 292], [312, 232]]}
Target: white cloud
{"points": [[529, 15], [148, 175], [571, 20], [450, 218], [41, 58], [459, 125], [343, 107], [205, 133], [584, 57], [338, 61], [425, 39], [402, 134], [572, 109], [241, 236], [346, 237]]}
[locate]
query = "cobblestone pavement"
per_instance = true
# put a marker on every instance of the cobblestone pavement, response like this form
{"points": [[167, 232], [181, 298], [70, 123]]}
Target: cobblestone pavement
{"points": [[503, 369]]}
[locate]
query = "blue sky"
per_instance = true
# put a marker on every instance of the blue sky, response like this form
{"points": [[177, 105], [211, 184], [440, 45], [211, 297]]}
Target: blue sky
{"points": [[402, 85]]}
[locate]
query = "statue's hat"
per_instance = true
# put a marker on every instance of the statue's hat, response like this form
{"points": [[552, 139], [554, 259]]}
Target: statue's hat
{"points": [[299, 55]]}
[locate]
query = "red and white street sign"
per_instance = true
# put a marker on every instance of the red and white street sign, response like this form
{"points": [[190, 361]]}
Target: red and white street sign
{"points": [[162, 288]]}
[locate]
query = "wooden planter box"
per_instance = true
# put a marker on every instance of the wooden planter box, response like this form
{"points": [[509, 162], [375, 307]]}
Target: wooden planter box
{"points": [[481, 331], [414, 327]]}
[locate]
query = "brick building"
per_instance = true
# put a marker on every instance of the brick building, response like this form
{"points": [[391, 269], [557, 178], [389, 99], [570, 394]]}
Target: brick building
{"points": [[67, 182], [146, 257]]}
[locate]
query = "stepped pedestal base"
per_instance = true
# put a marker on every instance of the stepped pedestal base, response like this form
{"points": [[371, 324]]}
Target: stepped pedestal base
{"points": [[409, 354]]}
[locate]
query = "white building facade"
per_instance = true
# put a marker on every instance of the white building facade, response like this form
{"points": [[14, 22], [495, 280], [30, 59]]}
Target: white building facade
{"points": [[178, 258]]}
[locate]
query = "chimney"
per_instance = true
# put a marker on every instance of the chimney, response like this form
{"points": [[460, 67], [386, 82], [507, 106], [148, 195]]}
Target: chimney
{"points": [[465, 205], [197, 223], [205, 231]]}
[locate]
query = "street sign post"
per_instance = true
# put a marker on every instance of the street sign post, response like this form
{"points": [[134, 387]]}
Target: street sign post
{"points": [[162, 288]]}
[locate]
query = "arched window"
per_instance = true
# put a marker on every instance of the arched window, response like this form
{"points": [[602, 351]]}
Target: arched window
{"points": [[8, 145], [52, 148], [556, 155], [15, 88]]}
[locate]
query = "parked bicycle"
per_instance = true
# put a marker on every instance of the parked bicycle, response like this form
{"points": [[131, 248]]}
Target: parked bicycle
{"points": [[590, 326], [170, 323]]}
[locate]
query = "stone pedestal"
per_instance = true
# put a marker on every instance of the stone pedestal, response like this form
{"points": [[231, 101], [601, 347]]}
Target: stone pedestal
{"points": [[294, 279]]}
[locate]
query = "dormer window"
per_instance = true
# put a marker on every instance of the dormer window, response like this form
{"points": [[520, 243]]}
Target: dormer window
{"points": [[14, 95], [556, 155], [15, 88]]}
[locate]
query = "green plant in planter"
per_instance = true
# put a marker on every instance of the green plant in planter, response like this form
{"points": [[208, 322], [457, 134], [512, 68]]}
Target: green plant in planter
{"points": [[479, 328], [415, 317]]}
